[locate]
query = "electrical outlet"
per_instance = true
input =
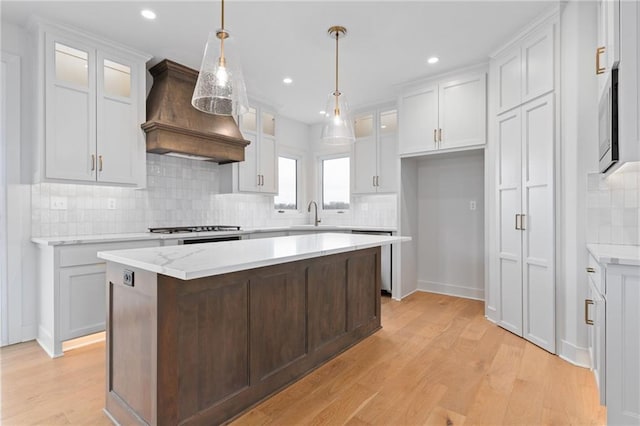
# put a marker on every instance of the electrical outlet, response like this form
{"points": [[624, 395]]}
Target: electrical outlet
{"points": [[58, 203], [472, 205], [111, 203], [127, 277]]}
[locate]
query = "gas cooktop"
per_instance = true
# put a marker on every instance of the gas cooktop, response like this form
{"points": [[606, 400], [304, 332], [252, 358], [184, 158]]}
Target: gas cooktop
{"points": [[181, 229]]}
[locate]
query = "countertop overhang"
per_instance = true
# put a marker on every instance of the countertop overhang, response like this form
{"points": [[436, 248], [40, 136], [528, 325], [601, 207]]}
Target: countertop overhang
{"points": [[615, 254], [193, 261]]}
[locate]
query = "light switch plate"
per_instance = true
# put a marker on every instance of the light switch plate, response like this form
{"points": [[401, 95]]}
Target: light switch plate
{"points": [[472, 205], [111, 203], [58, 203]]}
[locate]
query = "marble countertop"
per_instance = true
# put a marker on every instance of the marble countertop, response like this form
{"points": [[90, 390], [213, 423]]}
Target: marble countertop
{"points": [[615, 254], [202, 260], [105, 238]]}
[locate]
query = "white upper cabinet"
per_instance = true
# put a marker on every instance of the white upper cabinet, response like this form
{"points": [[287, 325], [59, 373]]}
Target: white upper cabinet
{"points": [[608, 49], [419, 120], [258, 173], [526, 71], [446, 116], [374, 153], [462, 112], [94, 102]]}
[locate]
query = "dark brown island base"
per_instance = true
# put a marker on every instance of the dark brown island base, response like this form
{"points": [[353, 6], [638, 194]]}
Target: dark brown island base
{"points": [[202, 351]]}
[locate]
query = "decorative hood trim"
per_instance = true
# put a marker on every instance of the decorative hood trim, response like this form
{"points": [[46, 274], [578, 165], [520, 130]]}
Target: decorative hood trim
{"points": [[174, 126]]}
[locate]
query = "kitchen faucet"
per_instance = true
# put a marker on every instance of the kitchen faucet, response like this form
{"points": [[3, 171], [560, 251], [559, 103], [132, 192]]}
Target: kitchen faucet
{"points": [[315, 205]]}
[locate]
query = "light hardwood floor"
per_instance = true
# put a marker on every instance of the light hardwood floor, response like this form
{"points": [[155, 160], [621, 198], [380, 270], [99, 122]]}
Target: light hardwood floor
{"points": [[436, 361]]}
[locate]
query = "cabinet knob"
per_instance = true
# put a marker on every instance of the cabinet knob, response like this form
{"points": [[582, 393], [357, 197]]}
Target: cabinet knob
{"points": [[591, 270]]}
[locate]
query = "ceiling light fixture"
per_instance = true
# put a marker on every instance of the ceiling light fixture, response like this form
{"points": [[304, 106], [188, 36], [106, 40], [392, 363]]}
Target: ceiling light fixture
{"points": [[338, 127], [287, 80], [220, 88], [148, 14], [323, 112], [433, 60]]}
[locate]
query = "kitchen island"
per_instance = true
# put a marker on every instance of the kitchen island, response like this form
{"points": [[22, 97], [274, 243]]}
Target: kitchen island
{"points": [[196, 334]]}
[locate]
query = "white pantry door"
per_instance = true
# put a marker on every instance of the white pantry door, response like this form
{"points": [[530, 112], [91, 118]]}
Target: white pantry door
{"points": [[509, 204], [538, 249]]}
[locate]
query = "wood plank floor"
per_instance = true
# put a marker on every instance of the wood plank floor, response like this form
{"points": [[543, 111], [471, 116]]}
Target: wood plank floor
{"points": [[436, 361]]}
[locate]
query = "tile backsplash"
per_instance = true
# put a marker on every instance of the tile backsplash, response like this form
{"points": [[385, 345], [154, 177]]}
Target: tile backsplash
{"points": [[613, 207], [180, 192]]}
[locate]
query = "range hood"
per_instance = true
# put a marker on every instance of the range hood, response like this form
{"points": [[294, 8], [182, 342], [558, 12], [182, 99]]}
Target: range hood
{"points": [[175, 127]]}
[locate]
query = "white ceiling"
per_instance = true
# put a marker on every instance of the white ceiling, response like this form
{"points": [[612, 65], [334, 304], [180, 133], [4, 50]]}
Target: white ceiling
{"points": [[388, 41]]}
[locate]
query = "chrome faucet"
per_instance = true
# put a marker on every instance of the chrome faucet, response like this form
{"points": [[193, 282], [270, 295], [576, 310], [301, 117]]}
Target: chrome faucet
{"points": [[316, 221]]}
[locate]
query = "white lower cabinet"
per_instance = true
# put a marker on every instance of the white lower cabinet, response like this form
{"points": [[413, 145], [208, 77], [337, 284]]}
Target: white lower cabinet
{"points": [[525, 241], [623, 344], [595, 308], [72, 289]]}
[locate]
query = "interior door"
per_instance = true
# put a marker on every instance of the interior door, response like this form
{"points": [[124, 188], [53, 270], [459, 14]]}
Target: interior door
{"points": [[538, 248], [509, 199]]}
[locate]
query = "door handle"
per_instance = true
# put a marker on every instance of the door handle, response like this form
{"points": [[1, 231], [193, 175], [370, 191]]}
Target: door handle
{"points": [[373, 180], [439, 135], [518, 222], [599, 51], [523, 222], [100, 162], [93, 162], [591, 270], [258, 176], [435, 135], [377, 180], [587, 302]]}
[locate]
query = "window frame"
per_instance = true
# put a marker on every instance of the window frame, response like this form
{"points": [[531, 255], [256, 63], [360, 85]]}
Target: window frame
{"points": [[299, 157], [320, 184]]}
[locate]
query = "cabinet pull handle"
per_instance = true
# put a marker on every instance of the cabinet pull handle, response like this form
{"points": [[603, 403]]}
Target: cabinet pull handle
{"points": [[100, 163], [435, 135], [261, 180], [439, 135], [258, 184], [587, 302], [523, 222], [599, 51], [373, 180], [518, 222], [377, 180], [93, 162], [591, 270]]}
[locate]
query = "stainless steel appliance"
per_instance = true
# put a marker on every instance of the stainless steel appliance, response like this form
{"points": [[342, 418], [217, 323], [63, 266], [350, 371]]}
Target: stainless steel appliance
{"points": [[385, 260], [199, 239], [608, 123]]}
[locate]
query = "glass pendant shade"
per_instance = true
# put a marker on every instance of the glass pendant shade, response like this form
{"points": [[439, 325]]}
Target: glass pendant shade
{"points": [[337, 128], [220, 88]]}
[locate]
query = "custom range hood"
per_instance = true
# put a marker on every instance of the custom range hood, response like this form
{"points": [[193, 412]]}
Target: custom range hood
{"points": [[175, 127]]}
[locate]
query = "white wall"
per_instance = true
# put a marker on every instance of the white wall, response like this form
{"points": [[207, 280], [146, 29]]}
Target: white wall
{"points": [[579, 150], [20, 251], [450, 252]]}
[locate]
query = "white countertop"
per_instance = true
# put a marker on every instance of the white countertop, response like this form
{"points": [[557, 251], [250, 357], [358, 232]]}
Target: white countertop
{"points": [[202, 260], [615, 254], [106, 238]]}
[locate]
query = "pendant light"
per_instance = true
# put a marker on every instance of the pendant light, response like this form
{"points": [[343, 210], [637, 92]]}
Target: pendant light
{"points": [[338, 127], [220, 88]]}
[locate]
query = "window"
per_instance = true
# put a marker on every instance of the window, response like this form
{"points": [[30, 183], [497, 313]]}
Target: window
{"points": [[335, 183], [287, 198]]}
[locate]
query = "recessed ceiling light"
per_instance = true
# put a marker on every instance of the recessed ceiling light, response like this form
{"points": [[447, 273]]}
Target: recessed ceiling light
{"points": [[323, 112], [147, 13], [287, 80], [384, 126], [432, 60]]}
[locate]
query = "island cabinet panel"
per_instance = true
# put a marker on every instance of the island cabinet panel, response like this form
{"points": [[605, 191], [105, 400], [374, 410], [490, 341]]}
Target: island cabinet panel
{"points": [[213, 349], [363, 305], [328, 291], [200, 352], [277, 321]]}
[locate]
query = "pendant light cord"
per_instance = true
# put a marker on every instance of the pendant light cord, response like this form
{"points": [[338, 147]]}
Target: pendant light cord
{"points": [[222, 37], [337, 92]]}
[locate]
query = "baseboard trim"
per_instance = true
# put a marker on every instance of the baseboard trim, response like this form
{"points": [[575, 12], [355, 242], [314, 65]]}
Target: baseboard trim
{"points": [[574, 354], [29, 332], [406, 295], [451, 290]]}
